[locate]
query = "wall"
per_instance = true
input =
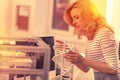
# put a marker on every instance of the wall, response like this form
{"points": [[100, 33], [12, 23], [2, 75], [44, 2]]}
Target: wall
{"points": [[115, 16], [38, 19], [3, 17]]}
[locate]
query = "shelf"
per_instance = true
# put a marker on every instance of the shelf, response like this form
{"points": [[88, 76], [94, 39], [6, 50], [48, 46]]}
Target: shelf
{"points": [[20, 71]]}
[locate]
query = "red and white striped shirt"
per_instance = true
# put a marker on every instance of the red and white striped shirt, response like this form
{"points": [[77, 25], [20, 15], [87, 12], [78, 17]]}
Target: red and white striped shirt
{"points": [[103, 48]]}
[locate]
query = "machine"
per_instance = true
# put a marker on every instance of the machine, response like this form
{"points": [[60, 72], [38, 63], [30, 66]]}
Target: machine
{"points": [[24, 59]]}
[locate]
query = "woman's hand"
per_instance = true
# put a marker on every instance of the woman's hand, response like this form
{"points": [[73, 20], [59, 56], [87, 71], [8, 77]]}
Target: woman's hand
{"points": [[74, 57]]}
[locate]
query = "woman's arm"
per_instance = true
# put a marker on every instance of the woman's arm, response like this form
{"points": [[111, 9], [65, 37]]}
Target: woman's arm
{"points": [[82, 67], [102, 67], [84, 63]]}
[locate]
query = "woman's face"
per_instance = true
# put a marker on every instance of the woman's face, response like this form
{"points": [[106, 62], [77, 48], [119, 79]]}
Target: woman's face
{"points": [[78, 22]]}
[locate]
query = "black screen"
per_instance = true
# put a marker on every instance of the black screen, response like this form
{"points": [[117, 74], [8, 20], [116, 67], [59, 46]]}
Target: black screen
{"points": [[50, 41]]}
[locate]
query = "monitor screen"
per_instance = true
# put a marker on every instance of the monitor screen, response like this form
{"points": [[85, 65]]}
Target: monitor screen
{"points": [[50, 40]]}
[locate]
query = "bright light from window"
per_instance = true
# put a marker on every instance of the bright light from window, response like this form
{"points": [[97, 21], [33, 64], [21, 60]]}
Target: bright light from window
{"points": [[109, 10], [110, 16]]}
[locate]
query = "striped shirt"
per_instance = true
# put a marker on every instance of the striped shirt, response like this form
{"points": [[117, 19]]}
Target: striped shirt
{"points": [[103, 48]]}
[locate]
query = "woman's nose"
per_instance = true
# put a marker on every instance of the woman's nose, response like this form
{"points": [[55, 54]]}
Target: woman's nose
{"points": [[74, 23]]}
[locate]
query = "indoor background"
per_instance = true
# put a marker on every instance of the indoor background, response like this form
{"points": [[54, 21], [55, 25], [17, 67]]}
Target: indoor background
{"points": [[38, 16]]}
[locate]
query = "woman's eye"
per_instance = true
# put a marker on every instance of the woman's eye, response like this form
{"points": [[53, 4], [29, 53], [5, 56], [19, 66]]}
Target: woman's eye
{"points": [[76, 17]]}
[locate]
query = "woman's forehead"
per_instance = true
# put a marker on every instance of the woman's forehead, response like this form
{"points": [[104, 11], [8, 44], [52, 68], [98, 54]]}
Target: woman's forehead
{"points": [[75, 10]]}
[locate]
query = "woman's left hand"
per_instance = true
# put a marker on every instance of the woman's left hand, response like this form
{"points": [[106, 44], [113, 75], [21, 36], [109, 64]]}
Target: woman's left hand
{"points": [[74, 57]]}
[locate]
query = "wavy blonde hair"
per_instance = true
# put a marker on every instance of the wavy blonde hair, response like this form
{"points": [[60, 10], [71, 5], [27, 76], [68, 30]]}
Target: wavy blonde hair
{"points": [[90, 13]]}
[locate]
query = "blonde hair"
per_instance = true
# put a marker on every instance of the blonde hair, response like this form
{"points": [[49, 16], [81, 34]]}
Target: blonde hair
{"points": [[90, 13]]}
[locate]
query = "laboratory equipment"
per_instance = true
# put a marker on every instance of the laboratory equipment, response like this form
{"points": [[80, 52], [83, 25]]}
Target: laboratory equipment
{"points": [[24, 59]]}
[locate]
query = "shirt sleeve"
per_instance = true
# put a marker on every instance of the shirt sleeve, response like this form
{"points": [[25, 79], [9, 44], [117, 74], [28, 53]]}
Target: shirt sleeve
{"points": [[109, 49]]}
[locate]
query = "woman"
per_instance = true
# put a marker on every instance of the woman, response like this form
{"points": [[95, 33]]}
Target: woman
{"points": [[101, 50]]}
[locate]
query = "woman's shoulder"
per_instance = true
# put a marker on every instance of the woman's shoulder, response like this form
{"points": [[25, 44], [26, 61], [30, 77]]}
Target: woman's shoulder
{"points": [[104, 33], [104, 30]]}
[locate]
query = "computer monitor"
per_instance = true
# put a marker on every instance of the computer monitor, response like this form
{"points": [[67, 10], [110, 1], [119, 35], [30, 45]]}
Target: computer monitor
{"points": [[50, 41]]}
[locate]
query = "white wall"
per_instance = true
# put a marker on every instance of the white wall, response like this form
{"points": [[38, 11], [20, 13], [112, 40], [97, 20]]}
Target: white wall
{"points": [[38, 19], [115, 16], [3, 17], [38, 22]]}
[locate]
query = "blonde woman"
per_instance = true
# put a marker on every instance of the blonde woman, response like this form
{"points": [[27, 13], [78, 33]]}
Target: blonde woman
{"points": [[101, 51]]}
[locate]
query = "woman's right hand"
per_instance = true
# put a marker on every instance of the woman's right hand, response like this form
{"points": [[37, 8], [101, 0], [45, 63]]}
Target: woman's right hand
{"points": [[74, 57]]}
